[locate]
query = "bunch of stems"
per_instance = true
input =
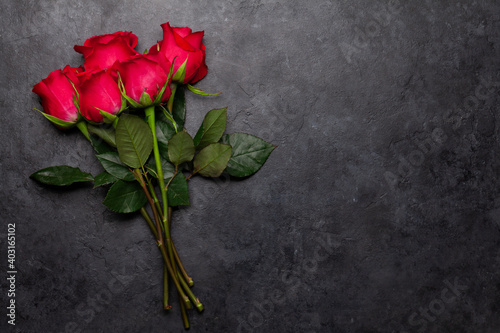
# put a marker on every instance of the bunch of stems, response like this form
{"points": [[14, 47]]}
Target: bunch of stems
{"points": [[160, 226]]}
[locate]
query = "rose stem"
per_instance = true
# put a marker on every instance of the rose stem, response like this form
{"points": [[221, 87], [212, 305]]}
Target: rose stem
{"points": [[185, 318], [146, 216], [150, 116], [166, 306], [155, 198], [157, 232], [167, 264], [138, 176], [152, 191], [183, 296], [195, 300], [140, 179]]}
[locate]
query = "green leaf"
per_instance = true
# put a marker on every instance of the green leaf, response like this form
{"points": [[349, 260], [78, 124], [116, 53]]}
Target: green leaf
{"points": [[61, 175], [212, 160], [198, 91], [168, 168], [179, 107], [211, 129], [134, 140], [178, 193], [114, 166], [100, 146], [105, 133], [180, 148], [249, 153], [125, 197], [104, 178]]}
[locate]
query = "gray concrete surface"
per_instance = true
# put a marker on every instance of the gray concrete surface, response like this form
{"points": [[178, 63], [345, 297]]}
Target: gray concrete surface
{"points": [[378, 212]]}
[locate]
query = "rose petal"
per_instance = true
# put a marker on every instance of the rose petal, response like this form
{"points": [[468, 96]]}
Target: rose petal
{"points": [[195, 38], [105, 55], [182, 31]]}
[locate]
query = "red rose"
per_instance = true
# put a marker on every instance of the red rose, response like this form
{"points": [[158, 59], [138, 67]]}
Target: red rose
{"points": [[99, 91], [143, 74], [58, 94], [182, 44], [101, 52]]}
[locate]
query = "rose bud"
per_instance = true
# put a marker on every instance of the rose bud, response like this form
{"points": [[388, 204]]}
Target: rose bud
{"points": [[99, 92], [182, 44], [143, 81], [59, 97], [101, 52]]}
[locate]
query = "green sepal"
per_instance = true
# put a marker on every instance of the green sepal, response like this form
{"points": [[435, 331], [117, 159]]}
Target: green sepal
{"points": [[75, 102], [76, 95], [169, 117], [181, 72], [125, 197], [160, 94], [58, 122], [61, 175], [145, 99], [171, 70], [159, 97], [107, 117], [124, 105], [121, 86], [198, 91]]}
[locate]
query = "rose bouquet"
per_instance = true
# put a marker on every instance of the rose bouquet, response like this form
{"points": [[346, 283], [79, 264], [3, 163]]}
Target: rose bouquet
{"points": [[131, 108]]}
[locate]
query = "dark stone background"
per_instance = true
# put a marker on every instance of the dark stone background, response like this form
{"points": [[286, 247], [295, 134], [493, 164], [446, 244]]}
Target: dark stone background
{"points": [[378, 212]]}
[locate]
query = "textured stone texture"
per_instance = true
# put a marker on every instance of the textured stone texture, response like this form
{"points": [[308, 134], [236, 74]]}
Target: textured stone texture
{"points": [[383, 191]]}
